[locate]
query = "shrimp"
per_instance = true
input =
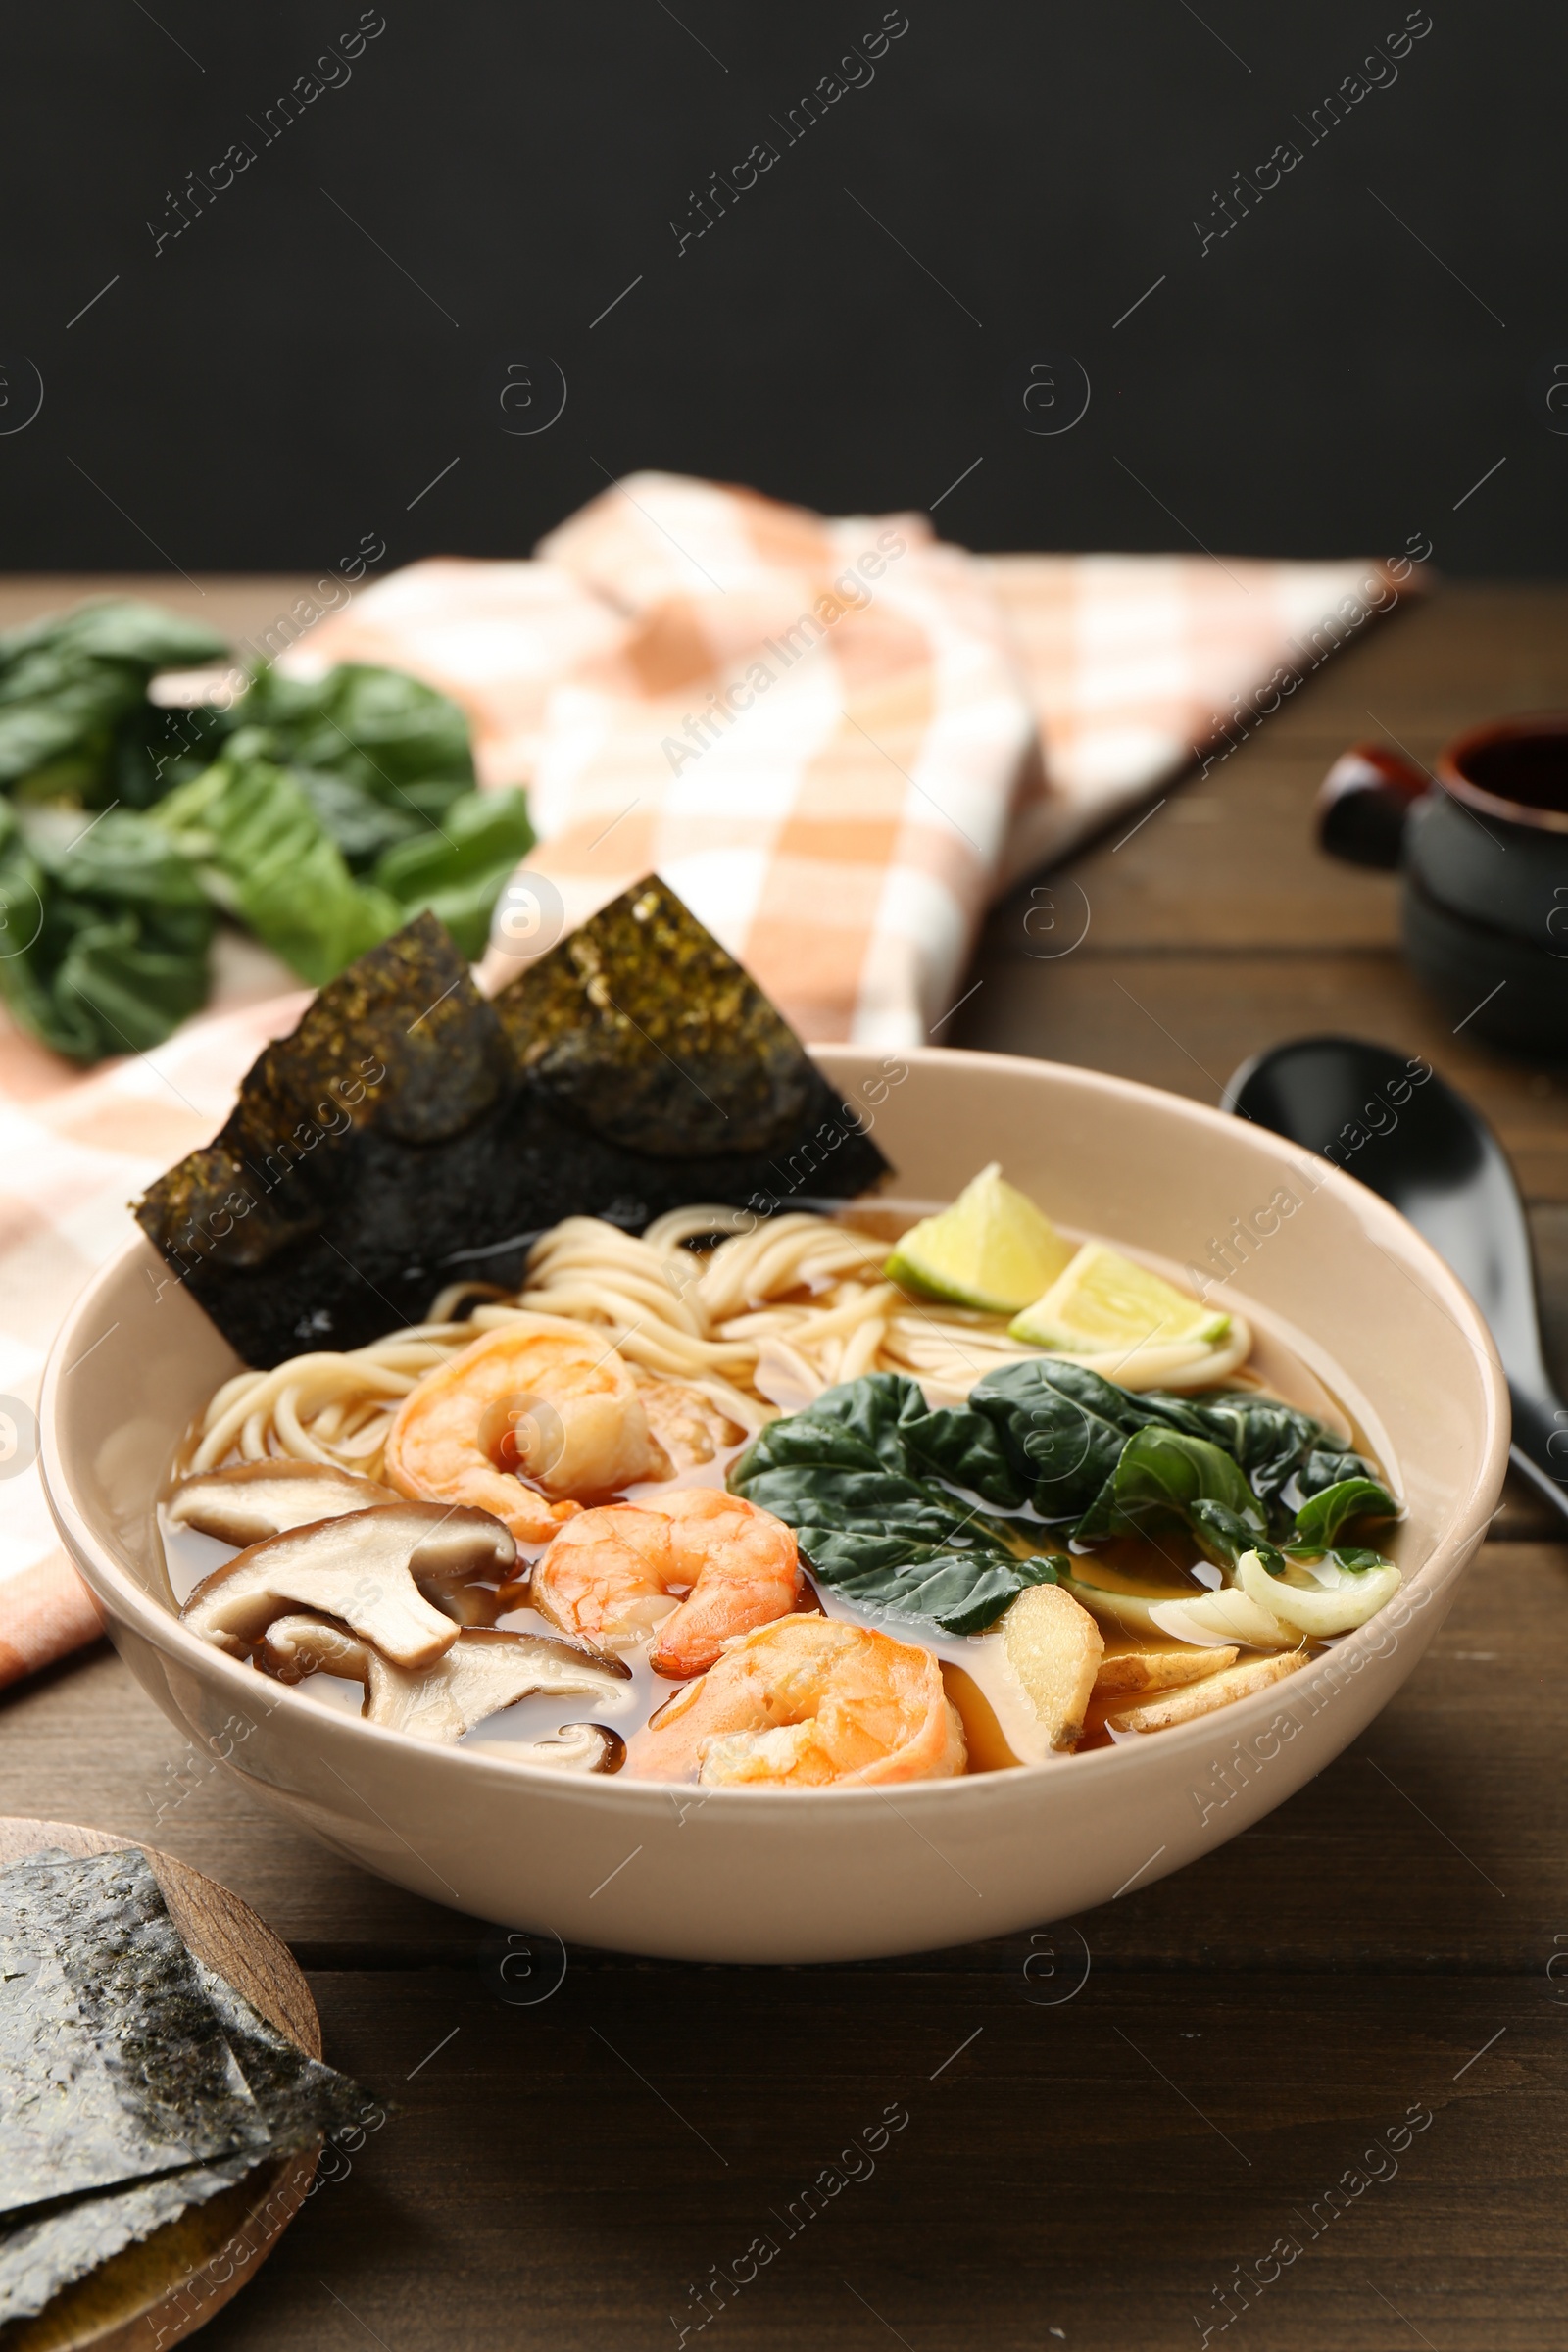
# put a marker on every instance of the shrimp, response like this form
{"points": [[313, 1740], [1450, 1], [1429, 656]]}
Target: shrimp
{"points": [[686, 1422], [807, 1702], [609, 1577], [562, 1412]]}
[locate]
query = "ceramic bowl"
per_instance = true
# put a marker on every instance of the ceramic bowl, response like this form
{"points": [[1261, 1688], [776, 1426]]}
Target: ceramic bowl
{"points": [[1484, 844], [1319, 1263], [1513, 991]]}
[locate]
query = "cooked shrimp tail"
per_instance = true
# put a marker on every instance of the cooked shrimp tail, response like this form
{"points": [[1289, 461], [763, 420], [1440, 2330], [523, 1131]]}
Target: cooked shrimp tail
{"points": [[520, 1403]]}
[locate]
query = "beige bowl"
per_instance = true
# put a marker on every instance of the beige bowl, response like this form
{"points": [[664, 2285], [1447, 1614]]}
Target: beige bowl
{"points": [[1323, 1266]]}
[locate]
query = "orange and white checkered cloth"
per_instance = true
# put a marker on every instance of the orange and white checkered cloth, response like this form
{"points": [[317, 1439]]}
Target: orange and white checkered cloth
{"points": [[827, 735], [837, 740]]}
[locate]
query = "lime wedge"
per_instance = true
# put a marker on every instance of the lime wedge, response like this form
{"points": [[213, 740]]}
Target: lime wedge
{"points": [[1103, 1301], [992, 1250]]}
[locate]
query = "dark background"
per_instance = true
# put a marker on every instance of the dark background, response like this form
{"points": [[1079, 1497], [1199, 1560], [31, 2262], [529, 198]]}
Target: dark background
{"points": [[282, 380]]}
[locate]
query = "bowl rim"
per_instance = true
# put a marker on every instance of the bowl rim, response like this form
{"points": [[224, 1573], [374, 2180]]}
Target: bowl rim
{"points": [[165, 1632]]}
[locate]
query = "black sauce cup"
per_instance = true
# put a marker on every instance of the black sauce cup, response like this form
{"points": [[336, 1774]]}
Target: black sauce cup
{"points": [[1482, 843]]}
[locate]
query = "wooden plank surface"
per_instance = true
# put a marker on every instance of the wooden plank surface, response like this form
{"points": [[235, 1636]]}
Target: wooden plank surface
{"points": [[1206, 2086]]}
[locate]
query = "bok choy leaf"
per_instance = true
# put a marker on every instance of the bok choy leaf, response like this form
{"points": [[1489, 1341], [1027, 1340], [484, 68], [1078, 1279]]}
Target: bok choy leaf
{"points": [[70, 683], [1323, 1514], [1163, 1474], [895, 1502], [263, 855], [459, 870], [103, 931], [850, 1475]]}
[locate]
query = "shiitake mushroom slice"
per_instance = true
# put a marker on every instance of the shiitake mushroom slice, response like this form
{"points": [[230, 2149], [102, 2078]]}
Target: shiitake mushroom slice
{"points": [[376, 1571], [249, 1502], [482, 1673]]}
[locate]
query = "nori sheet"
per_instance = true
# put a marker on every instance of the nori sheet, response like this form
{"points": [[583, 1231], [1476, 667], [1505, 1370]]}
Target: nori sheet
{"points": [[112, 2061], [412, 1132], [47, 2246], [301, 2098], [55, 2246], [642, 1026]]}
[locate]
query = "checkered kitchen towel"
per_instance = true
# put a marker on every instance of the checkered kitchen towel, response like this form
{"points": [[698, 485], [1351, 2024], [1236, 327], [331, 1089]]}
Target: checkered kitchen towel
{"points": [[827, 735], [836, 739]]}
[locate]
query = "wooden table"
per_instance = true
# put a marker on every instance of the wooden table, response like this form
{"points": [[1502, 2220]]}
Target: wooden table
{"points": [[1089, 2159]]}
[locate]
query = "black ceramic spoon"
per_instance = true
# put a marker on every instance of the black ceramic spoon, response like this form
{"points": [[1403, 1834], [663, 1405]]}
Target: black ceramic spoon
{"points": [[1425, 1149]]}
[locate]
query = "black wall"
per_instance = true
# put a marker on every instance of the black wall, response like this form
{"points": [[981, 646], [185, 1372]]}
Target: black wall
{"points": [[284, 376]]}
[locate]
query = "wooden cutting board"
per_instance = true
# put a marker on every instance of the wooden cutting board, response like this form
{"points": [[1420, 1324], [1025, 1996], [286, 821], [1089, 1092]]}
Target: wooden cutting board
{"points": [[157, 2292]]}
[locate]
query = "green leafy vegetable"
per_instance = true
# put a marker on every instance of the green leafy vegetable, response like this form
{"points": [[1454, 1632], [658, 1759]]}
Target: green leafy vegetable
{"points": [[459, 870], [1323, 1514], [68, 683], [1062, 1430], [157, 749], [382, 757], [255, 833], [1164, 1474], [362, 827], [103, 931], [849, 1476], [387, 733], [1286, 1454], [320, 812], [1354, 1557], [962, 1592], [881, 1488], [144, 637], [263, 855]]}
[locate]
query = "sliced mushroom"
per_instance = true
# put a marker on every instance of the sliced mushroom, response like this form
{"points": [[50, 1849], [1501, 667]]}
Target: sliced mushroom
{"points": [[252, 1500], [446, 1576], [374, 1570], [294, 1646], [518, 1591], [580, 1747], [482, 1673]]}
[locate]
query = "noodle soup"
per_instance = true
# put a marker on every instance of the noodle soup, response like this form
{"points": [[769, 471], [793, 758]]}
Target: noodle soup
{"points": [[779, 1515]]}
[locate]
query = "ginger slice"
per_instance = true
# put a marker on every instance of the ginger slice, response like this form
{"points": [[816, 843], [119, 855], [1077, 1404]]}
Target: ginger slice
{"points": [[1202, 1699], [1055, 1648], [1144, 1669]]}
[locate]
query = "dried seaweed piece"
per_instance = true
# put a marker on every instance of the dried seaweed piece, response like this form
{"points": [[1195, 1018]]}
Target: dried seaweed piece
{"points": [[50, 2249], [401, 1043], [119, 1987], [412, 1008], [113, 2062], [655, 1038], [301, 2098], [410, 1130]]}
